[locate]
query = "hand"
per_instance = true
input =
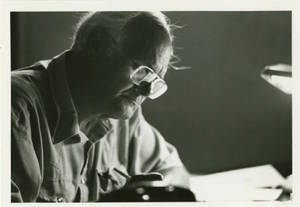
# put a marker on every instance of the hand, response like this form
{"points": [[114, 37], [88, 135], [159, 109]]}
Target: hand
{"points": [[154, 176], [146, 179]]}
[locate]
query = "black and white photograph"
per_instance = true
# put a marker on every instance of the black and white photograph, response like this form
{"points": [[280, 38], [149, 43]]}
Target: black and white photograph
{"points": [[151, 106]]}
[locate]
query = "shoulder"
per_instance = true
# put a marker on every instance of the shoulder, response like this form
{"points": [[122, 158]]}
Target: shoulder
{"points": [[26, 81], [25, 87]]}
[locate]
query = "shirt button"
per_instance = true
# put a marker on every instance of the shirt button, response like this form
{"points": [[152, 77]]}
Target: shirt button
{"points": [[60, 199], [82, 180]]}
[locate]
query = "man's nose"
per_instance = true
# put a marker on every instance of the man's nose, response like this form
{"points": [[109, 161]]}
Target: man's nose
{"points": [[144, 88]]}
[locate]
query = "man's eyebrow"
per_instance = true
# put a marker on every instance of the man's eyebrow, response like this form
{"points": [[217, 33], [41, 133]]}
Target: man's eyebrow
{"points": [[153, 65]]}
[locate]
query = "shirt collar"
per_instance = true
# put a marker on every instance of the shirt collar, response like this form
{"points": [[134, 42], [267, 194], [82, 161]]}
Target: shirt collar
{"points": [[67, 123]]}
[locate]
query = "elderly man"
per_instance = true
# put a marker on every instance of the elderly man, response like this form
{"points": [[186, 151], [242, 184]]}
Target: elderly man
{"points": [[77, 130]]}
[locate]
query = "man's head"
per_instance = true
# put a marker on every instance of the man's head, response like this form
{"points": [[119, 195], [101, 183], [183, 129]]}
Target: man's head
{"points": [[109, 48]]}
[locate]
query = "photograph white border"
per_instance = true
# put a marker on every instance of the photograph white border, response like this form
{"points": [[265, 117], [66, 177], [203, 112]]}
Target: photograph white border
{"points": [[167, 5]]}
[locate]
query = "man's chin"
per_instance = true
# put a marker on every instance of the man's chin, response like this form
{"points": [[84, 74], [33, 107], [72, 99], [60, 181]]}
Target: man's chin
{"points": [[122, 116], [123, 112]]}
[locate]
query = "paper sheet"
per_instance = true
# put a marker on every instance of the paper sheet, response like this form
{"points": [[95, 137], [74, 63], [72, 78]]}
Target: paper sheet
{"points": [[238, 185]]}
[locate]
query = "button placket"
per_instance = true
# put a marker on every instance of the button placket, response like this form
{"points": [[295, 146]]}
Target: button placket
{"points": [[83, 174], [84, 169], [82, 180]]}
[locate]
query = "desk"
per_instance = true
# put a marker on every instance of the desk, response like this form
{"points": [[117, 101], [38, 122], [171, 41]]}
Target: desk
{"points": [[248, 184]]}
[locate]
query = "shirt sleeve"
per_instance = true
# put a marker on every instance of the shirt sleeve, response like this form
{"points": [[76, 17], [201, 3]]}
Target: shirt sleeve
{"points": [[149, 151], [25, 169]]}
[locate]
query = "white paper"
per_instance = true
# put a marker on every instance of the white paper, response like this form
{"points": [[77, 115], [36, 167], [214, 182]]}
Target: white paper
{"points": [[238, 185]]}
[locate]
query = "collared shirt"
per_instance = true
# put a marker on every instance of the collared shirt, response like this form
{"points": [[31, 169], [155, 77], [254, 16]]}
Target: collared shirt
{"points": [[53, 159]]}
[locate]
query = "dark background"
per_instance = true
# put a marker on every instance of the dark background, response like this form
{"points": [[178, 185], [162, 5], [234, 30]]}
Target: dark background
{"points": [[220, 114]]}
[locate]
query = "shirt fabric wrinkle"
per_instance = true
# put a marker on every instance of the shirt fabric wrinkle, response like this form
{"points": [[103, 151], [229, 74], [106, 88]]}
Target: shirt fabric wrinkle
{"points": [[65, 159]]}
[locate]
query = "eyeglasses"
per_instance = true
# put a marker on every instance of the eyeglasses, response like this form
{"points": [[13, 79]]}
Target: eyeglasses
{"points": [[145, 77]]}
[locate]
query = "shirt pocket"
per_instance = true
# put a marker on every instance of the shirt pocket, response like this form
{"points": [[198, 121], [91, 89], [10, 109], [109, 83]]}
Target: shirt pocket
{"points": [[51, 172], [112, 178], [51, 186]]}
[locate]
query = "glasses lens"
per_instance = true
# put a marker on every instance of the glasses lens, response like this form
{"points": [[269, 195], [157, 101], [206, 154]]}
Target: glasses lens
{"points": [[158, 88], [143, 73]]}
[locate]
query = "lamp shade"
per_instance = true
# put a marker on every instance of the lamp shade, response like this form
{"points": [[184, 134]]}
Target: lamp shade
{"points": [[280, 76]]}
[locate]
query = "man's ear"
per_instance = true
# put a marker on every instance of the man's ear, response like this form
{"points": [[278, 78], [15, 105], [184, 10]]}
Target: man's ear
{"points": [[98, 42]]}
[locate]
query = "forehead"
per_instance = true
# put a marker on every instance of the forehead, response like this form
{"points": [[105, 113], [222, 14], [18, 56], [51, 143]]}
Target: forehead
{"points": [[158, 62], [147, 41]]}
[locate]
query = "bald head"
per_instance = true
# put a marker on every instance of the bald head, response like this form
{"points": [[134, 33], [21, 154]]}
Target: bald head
{"points": [[138, 34]]}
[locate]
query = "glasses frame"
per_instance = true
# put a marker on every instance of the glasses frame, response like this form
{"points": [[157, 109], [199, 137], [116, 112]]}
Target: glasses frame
{"points": [[157, 78]]}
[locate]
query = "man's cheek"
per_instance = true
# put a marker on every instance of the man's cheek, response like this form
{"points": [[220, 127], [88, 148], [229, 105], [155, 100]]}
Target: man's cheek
{"points": [[122, 85]]}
